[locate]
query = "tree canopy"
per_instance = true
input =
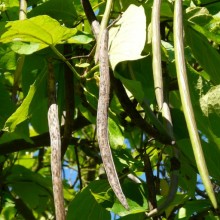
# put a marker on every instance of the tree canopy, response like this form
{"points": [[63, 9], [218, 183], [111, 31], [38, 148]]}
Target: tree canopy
{"points": [[163, 112]]}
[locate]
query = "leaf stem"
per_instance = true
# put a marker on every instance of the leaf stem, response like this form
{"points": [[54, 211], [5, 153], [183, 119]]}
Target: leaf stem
{"points": [[103, 26], [60, 55], [21, 58]]}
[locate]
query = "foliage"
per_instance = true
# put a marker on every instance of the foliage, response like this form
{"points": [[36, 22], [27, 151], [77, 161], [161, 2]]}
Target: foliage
{"points": [[59, 30]]}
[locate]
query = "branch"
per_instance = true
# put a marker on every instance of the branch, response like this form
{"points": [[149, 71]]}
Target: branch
{"points": [[150, 180], [41, 140], [130, 109], [78, 167], [69, 103], [91, 17]]}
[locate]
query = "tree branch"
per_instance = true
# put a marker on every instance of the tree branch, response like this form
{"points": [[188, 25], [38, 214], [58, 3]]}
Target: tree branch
{"points": [[40, 140], [129, 108], [91, 17], [69, 103]]}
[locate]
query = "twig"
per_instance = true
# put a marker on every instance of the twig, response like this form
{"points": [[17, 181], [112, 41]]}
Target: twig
{"points": [[42, 139], [21, 58], [150, 180], [78, 167], [129, 108], [91, 17], [69, 103], [103, 27], [175, 164]]}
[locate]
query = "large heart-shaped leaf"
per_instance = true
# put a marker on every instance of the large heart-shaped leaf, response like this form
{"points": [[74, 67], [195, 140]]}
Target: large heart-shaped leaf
{"points": [[128, 36], [41, 30]]}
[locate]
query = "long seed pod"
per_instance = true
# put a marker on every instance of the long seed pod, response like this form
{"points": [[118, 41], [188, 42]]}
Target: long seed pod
{"points": [[55, 143], [102, 121], [157, 70], [186, 101]]}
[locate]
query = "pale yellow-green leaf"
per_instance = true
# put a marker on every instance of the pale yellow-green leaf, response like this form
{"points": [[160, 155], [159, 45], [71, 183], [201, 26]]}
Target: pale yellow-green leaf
{"points": [[23, 111], [127, 37], [210, 101], [40, 29]]}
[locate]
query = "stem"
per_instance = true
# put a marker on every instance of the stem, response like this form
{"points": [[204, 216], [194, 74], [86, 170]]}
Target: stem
{"points": [[175, 165], [60, 55], [78, 167], [152, 203], [69, 104], [23, 10], [91, 17], [136, 118], [103, 26], [186, 102], [21, 58]]}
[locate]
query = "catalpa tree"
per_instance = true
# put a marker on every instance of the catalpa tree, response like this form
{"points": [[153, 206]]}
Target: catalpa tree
{"points": [[109, 109]]}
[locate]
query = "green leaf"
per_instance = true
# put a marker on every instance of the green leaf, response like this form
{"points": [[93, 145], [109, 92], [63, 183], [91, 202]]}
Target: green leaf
{"points": [[202, 21], [211, 108], [26, 47], [202, 50], [25, 191], [82, 65], [8, 104], [134, 87], [23, 111], [127, 37], [41, 30], [7, 58], [198, 15], [32, 188], [211, 152], [138, 216], [80, 39], [192, 207], [90, 208], [21, 132], [136, 195], [64, 12], [116, 137], [210, 101]]}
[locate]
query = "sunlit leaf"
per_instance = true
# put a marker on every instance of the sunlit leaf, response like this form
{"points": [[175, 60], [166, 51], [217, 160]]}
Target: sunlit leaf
{"points": [[115, 134], [39, 30], [210, 102], [26, 47], [191, 207], [122, 47], [80, 39], [23, 111]]}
